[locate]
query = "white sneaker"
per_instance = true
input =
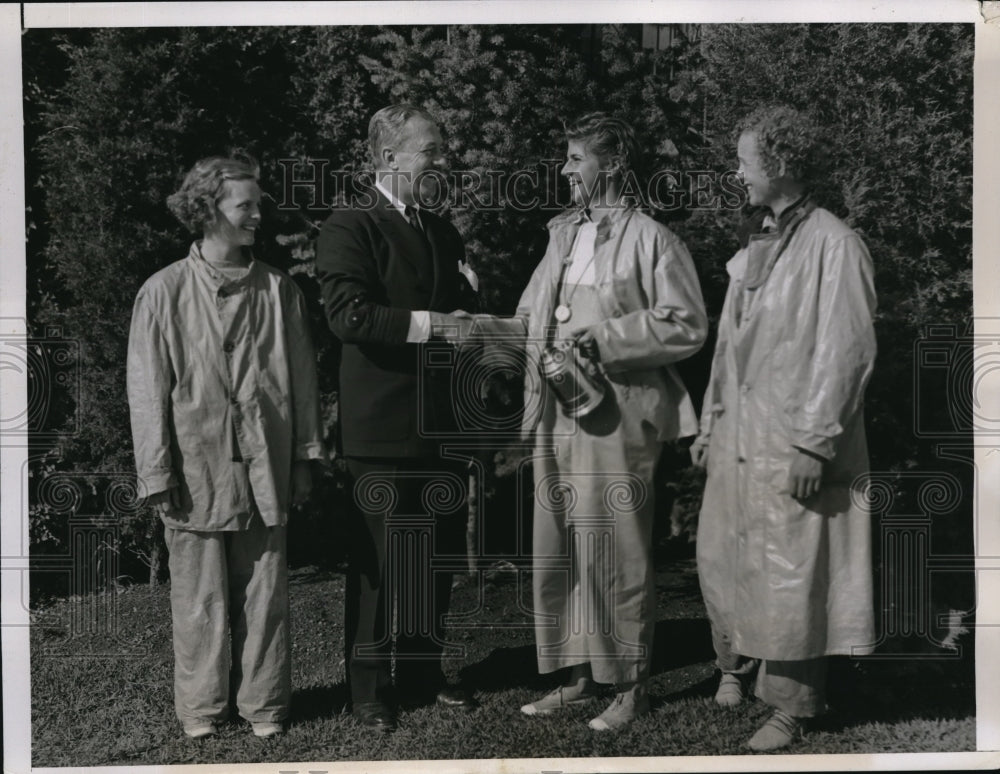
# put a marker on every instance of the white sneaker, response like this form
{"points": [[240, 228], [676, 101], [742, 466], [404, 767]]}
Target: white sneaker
{"points": [[562, 697], [201, 730], [627, 706], [265, 730], [780, 730], [731, 691]]}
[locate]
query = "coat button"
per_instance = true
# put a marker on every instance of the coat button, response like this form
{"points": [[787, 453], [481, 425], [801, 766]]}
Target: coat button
{"points": [[228, 347]]}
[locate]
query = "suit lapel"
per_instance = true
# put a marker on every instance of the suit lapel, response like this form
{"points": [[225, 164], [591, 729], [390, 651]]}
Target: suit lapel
{"points": [[404, 238]]}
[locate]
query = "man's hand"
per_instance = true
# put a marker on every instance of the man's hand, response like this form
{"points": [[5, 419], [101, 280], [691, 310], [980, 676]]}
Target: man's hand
{"points": [[166, 501], [699, 452], [805, 475], [302, 482], [454, 328], [587, 344]]}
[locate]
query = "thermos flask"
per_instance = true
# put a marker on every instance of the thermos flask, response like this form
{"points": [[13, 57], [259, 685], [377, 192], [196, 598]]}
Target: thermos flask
{"points": [[577, 384]]}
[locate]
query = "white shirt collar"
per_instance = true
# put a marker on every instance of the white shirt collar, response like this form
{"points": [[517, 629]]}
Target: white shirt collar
{"points": [[393, 200]]}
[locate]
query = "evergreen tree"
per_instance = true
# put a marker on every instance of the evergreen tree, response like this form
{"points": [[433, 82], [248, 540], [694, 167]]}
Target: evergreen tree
{"points": [[115, 117]]}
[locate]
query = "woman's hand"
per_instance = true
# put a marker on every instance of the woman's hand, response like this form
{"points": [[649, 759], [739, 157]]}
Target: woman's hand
{"points": [[699, 451], [166, 501], [587, 344], [805, 475]]}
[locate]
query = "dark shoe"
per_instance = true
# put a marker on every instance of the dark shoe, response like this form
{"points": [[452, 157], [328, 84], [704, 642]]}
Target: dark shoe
{"points": [[456, 698], [375, 715]]}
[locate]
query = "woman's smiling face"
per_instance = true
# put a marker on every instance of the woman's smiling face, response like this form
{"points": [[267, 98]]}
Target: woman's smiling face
{"points": [[759, 184], [587, 175], [237, 213]]}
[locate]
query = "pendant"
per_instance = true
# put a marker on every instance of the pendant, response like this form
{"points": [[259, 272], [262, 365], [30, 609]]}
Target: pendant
{"points": [[563, 313]]}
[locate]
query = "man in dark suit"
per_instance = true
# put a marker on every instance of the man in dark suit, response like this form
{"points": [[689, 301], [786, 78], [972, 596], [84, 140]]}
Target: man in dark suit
{"points": [[390, 271]]}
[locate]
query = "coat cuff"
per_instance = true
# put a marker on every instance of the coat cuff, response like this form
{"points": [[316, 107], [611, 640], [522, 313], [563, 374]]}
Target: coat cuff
{"points": [[392, 326], [819, 445], [155, 482]]}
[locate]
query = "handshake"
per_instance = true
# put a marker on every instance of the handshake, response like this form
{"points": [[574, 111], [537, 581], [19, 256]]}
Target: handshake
{"points": [[455, 328]]}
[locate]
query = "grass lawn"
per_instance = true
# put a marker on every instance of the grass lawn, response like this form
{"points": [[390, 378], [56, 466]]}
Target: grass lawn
{"points": [[102, 700]]}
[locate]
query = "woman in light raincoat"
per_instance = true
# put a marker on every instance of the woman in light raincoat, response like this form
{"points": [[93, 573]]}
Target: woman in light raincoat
{"points": [[624, 289], [225, 417], [784, 540]]}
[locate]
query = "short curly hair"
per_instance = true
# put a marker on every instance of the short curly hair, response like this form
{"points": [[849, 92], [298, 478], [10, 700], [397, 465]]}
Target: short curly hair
{"points": [[787, 135], [194, 204], [607, 137]]}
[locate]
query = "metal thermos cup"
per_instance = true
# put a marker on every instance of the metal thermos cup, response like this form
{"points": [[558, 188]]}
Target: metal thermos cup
{"points": [[578, 389]]}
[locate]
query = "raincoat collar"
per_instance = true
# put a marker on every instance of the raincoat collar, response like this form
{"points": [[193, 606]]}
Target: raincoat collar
{"points": [[608, 225], [793, 214], [766, 246], [759, 220], [212, 275]]}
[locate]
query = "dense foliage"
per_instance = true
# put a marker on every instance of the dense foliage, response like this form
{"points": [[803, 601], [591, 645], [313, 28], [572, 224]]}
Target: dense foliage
{"points": [[116, 116]]}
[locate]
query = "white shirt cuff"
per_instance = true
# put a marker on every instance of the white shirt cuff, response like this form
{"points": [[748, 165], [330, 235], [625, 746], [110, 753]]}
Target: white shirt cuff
{"points": [[420, 327]]}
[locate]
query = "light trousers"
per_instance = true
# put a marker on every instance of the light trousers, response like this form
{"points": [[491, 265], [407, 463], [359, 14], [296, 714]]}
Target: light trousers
{"points": [[797, 688], [593, 581], [229, 605]]}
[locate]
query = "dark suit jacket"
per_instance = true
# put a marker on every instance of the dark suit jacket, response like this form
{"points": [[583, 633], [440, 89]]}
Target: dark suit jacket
{"points": [[374, 269]]}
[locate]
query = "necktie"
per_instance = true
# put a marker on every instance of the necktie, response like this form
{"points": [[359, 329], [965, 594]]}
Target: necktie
{"points": [[413, 217]]}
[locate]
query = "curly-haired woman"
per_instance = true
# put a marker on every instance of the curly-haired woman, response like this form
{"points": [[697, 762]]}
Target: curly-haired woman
{"points": [[225, 417], [784, 544]]}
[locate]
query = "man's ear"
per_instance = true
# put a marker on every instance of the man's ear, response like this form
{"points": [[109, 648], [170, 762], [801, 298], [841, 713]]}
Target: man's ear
{"points": [[388, 158]]}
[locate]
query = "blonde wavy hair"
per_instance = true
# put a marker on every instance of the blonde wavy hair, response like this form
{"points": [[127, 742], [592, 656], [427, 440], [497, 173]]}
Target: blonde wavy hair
{"points": [[195, 203]]}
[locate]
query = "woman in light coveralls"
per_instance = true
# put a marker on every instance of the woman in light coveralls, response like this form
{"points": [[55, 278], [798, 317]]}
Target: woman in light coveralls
{"points": [[225, 418], [624, 288]]}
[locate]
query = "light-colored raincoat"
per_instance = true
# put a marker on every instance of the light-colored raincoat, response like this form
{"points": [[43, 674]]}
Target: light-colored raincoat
{"points": [[652, 307], [222, 391], [594, 590], [782, 579]]}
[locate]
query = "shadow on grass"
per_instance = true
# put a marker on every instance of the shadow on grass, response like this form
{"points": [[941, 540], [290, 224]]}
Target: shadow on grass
{"points": [[310, 574], [504, 668], [678, 642], [699, 690], [895, 690], [319, 702]]}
